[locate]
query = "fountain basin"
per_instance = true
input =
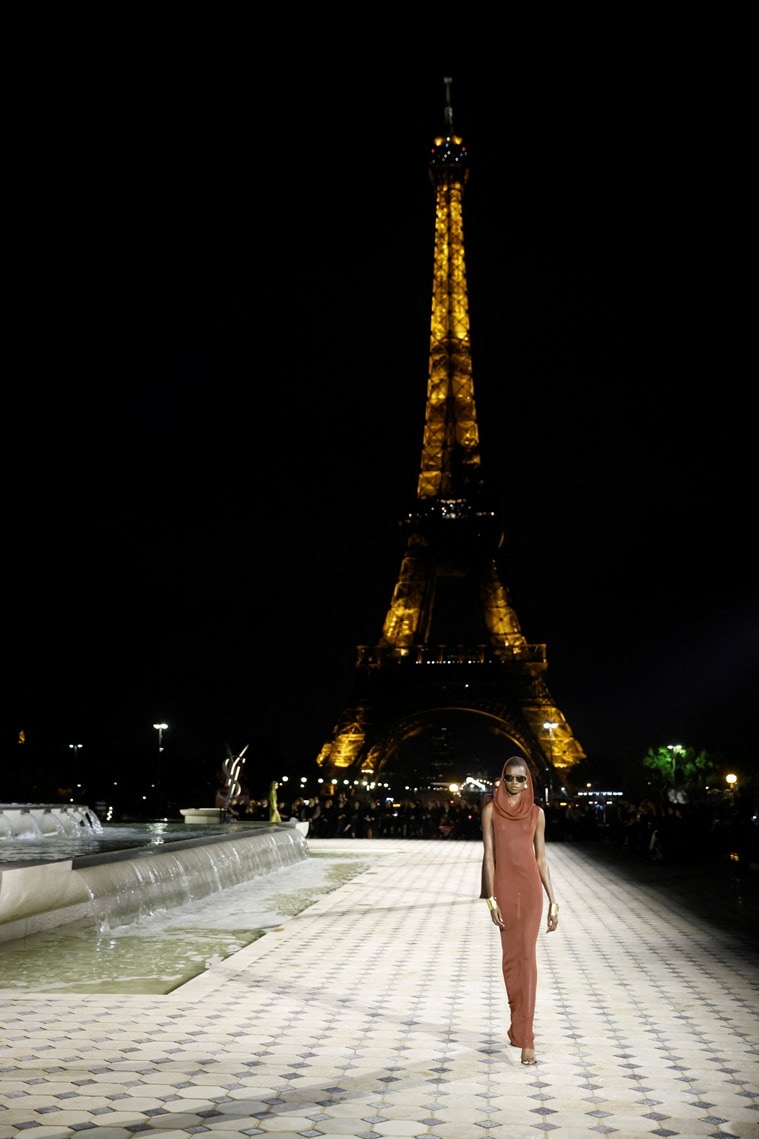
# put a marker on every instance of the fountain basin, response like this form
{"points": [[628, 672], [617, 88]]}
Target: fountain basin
{"points": [[123, 886]]}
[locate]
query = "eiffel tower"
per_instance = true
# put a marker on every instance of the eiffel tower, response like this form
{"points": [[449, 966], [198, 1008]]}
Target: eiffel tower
{"points": [[451, 659]]}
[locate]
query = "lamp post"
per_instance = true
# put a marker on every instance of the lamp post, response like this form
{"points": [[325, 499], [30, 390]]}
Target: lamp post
{"points": [[160, 728], [76, 749], [676, 749], [550, 726]]}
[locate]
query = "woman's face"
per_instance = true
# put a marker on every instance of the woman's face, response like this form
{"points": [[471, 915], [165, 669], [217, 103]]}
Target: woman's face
{"points": [[515, 778]]}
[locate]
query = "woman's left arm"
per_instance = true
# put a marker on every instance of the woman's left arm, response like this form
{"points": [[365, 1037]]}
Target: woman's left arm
{"points": [[539, 842]]}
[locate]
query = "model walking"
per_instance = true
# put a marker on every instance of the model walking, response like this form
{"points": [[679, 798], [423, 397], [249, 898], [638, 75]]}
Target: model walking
{"points": [[515, 872]]}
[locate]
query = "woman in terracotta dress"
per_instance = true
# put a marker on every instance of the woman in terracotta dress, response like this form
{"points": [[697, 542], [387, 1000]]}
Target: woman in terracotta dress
{"points": [[515, 871]]}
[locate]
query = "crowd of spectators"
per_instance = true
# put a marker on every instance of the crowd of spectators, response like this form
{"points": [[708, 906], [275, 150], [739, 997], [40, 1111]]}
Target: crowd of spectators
{"points": [[354, 817], [660, 832], [725, 825]]}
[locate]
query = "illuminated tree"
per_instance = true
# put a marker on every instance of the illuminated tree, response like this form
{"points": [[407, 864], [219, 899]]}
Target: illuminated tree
{"points": [[681, 771]]}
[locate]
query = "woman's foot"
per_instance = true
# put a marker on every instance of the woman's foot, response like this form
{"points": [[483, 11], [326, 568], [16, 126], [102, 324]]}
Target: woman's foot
{"points": [[528, 1056]]}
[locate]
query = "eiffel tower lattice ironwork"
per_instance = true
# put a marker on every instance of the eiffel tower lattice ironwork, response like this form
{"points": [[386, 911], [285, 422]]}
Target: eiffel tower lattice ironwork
{"points": [[451, 644]]}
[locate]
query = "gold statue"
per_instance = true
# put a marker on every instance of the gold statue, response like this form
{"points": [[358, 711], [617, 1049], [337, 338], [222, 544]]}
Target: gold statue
{"points": [[274, 815]]}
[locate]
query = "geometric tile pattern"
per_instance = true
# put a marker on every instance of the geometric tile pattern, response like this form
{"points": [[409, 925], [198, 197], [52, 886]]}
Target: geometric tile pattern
{"points": [[380, 1011]]}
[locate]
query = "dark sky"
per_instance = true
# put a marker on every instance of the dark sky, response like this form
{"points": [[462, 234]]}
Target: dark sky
{"points": [[216, 417]]}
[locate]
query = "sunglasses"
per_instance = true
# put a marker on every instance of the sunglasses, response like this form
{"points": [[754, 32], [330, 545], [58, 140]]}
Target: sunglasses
{"points": [[515, 778]]}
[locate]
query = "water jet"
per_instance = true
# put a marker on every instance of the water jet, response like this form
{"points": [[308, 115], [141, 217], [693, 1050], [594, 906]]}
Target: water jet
{"points": [[22, 820]]}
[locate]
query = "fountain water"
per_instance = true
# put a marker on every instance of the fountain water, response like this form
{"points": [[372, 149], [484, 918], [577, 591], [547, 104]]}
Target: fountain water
{"points": [[161, 951], [63, 877], [126, 889], [89, 907]]}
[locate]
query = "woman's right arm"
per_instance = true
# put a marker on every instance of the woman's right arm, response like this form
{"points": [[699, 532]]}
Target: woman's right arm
{"points": [[488, 861]]}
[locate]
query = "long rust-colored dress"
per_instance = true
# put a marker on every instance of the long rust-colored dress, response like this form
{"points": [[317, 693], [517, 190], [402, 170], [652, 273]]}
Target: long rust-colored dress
{"points": [[519, 891]]}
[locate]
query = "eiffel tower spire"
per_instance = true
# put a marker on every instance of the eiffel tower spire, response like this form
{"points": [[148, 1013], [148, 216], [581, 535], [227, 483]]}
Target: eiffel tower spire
{"points": [[451, 448], [450, 639]]}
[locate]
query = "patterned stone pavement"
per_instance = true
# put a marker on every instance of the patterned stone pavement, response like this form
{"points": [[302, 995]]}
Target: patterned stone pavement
{"points": [[380, 1011]]}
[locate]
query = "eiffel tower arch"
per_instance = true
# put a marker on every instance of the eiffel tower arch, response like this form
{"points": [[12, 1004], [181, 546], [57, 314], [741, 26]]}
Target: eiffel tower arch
{"points": [[451, 683]]}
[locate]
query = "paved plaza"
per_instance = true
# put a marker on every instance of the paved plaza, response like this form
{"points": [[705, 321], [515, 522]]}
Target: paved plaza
{"points": [[380, 1011]]}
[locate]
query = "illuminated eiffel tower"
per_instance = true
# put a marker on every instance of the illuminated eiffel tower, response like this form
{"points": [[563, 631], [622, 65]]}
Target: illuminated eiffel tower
{"points": [[451, 659]]}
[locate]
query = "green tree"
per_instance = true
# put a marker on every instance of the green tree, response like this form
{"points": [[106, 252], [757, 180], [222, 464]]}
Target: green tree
{"points": [[681, 772]]}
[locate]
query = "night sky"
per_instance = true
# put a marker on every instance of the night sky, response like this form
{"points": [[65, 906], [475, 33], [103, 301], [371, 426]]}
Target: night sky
{"points": [[219, 382]]}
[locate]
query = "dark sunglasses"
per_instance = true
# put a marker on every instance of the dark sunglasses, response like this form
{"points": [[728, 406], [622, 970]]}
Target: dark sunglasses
{"points": [[515, 778]]}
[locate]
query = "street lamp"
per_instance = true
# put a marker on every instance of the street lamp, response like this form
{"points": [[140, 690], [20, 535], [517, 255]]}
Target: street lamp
{"points": [[550, 727], [76, 748], [160, 728], [731, 780], [676, 749]]}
